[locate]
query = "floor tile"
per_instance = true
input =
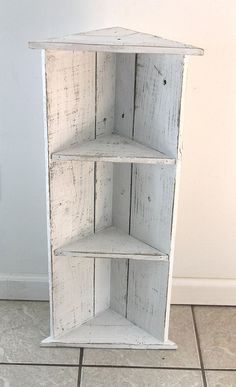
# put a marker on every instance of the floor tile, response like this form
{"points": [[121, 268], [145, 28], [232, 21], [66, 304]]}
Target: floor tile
{"points": [[131, 377], [23, 325], [221, 378], [36, 376], [216, 326], [181, 332]]}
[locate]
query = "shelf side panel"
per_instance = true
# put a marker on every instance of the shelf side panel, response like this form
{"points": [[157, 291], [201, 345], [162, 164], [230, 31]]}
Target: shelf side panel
{"points": [[157, 101], [147, 296], [71, 98], [70, 91]]}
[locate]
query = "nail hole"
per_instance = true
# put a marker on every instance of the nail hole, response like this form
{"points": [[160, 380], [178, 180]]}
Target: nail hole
{"points": [[123, 114], [164, 81]]}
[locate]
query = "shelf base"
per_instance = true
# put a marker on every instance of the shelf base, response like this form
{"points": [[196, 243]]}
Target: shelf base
{"points": [[108, 330]]}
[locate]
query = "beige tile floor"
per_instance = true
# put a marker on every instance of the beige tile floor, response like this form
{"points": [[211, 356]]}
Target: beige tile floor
{"points": [[206, 355]]}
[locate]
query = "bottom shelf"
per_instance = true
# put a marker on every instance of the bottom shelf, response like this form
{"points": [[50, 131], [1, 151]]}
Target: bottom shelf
{"points": [[108, 330]]}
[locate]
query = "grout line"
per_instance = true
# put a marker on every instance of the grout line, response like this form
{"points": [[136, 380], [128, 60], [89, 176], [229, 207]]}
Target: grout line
{"points": [[116, 366], [221, 369], [141, 367], [80, 367], [199, 348], [39, 364]]}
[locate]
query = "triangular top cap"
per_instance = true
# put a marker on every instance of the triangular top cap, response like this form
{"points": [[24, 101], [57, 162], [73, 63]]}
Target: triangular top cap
{"points": [[117, 39]]}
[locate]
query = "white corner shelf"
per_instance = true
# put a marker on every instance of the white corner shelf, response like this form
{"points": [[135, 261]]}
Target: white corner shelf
{"points": [[113, 148], [111, 243], [112, 129]]}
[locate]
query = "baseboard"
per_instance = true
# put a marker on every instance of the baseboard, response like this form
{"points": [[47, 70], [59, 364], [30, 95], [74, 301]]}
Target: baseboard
{"points": [[196, 291], [24, 287], [204, 291]]}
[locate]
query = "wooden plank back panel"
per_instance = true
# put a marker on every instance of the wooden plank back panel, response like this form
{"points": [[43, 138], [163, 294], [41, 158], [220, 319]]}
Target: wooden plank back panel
{"points": [[157, 101], [124, 100], [105, 92], [70, 84], [70, 94], [152, 204], [147, 296]]}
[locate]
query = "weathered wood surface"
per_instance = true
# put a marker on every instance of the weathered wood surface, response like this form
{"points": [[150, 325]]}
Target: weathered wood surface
{"points": [[70, 99], [111, 243], [117, 39], [113, 148], [157, 101], [147, 291], [109, 329], [112, 107]]}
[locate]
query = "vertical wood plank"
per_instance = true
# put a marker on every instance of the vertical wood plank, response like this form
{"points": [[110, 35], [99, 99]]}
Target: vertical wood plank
{"points": [[119, 269], [105, 105], [157, 102], [147, 295], [152, 204], [70, 93], [105, 92], [124, 109], [156, 124], [103, 219], [124, 101]]}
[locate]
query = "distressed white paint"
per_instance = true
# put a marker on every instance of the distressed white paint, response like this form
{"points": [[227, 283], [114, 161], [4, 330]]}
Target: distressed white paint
{"points": [[71, 197], [109, 329], [113, 143], [111, 243], [117, 39], [113, 148]]}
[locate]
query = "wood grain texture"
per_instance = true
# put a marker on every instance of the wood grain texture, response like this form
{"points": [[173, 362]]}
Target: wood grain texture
{"points": [[105, 92], [113, 133], [152, 205], [109, 329], [117, 39], [103, 172], [147, 290], [124, 99], [157, 102], [70, 93], [111, 243], [113, 148], [71, 98]]}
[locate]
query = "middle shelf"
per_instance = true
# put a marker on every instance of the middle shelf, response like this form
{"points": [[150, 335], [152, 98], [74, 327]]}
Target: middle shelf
{"points": [[113, 148], [111, 243]]}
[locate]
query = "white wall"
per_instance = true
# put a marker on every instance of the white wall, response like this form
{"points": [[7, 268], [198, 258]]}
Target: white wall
{"points": [[205, 266]]}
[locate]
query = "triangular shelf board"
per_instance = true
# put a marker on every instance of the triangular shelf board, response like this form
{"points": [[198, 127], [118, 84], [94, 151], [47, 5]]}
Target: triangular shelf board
{"points": [[113, 148], [117, 39], [112, 329], [111, 243]]}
